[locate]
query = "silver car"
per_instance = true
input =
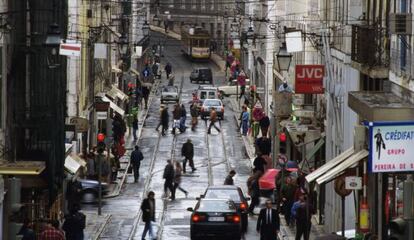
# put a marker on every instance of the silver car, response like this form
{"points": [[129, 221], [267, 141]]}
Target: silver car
{"points": [[169, 94]]}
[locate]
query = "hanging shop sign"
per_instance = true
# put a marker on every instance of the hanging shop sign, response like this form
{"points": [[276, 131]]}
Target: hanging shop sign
{"points": [[309, 79], [353, 183], [101, 115], [70, 48], [391, 146]]}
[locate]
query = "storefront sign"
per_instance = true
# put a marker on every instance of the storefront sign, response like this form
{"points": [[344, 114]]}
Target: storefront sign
{"points": [[353, 183], [101, 115], [81, 124], [309, 78], [70, 48], [391, 146]]}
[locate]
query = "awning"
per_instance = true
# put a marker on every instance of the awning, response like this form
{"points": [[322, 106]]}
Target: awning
{"points": [[339, 169], [329, 165], [22, 167], [73, 163], [117, 93], [112, 105]]}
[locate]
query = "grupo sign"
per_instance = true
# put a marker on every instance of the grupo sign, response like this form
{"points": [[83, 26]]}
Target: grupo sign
{"points": [[391, 146], [309, 78]]}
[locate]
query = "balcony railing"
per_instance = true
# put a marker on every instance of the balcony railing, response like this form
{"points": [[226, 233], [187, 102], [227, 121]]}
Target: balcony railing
{"points": [[402, 67], [367, 46]]}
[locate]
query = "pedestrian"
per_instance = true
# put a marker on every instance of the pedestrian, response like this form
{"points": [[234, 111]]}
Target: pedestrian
{"points": [[177, 179], [176, 117], [168, 70], [229, 179], [194, 115], [136, 158], [302, 212], [73, 192], [169, 179], [259, 164], [268, 223], [148, 215], [284, 87], [187, 151], [213, 120], [160, 120], [51, 231], [74, 224], [264, 124], [115, 164], [26, 231], [245, 120], [241, 80], [288, 194], [183, 118], [145, 94], [263, 146], [164, 120], [254, 190], [90, 166], [135, 128]]}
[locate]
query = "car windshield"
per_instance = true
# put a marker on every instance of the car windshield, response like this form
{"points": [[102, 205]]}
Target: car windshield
{"points": [[169, 89], [214, 103], [211, 94], [215, 206], [231, 194]]}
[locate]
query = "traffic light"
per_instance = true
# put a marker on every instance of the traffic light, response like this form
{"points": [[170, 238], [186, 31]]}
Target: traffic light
{"points": [[282, 142], [398, 229], [101, 143]]}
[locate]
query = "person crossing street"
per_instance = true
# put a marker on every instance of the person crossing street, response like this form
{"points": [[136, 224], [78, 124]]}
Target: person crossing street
{"points": [[148, 215], [169, 179], [268, 223], [176, 117], [187, 151], [136, 158], [177, 179], [194, 115], [213, 120]]}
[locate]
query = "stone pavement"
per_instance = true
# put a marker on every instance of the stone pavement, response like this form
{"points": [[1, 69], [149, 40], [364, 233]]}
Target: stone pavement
{"points": [[95, 224], [286, 232]]}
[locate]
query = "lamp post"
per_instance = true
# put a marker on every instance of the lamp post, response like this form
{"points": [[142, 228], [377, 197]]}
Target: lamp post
{"points": [[146, 29], [283, 58], [53, 40]]}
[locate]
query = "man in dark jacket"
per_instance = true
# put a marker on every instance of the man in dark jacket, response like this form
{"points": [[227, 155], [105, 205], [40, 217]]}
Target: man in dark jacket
{"points": [[194, 115], [229, 179], [268, 223], [148, 214], [303, 215], [168, 70], [183, 118], [169, 179], [259, 164], [145, 94], [176, 117], [165, 118], [136, 158], [264, 124], [263, 145], [74, 224], [288, 191], [187, 151]]}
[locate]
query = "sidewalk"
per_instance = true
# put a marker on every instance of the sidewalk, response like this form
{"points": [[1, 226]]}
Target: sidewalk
{"points": [[286, 232], [95, 224], [219, 61]]}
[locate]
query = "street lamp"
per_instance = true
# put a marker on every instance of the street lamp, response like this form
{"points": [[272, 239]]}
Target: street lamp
{"points": [[53, 41], [145, 29], [123, 45], [234, 26], [156, 19], [283, 58], [250, 36]]}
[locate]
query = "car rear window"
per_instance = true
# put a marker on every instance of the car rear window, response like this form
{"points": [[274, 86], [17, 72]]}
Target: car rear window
{"points": [[231, 194], [215, 206], [213, 103], [211, 94], [169, 89]]}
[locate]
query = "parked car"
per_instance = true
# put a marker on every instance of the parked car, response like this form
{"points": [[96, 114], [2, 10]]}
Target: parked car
{"points": [[201, 75], [90, 190], [207, 92], [232, 88], [215, 218], [169, 94], [208, 104], [233, 193]]}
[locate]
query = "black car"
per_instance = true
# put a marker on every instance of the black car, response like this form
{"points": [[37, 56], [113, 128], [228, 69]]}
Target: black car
{"points": [[215, 219], [90, 189], [202, 75], [234, 194]]}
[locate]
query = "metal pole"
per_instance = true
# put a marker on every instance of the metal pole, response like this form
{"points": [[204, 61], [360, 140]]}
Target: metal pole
{"points": [[100, 156], [408, 205], [343, 216]]}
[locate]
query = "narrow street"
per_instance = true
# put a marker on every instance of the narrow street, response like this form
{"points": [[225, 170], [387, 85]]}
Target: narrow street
{"points": [[215, 154]]}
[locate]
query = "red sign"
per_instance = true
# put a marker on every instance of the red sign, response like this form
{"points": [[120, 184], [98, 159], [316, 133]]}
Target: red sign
{"points": [[309, 78]]}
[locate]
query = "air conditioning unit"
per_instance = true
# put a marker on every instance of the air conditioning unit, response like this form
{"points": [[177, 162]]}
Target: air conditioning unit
{"points": [[401, 23]]}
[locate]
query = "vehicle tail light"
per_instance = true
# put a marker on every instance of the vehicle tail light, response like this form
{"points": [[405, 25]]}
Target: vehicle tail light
{"points": [[198, 218], [233, 218], [243, 206]]}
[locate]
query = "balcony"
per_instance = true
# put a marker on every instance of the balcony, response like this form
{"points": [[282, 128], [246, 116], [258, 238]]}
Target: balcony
{"points": [[368, 51], [400, 64]]}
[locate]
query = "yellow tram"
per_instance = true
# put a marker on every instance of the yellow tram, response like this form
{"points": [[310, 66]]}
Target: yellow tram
{"points": [[196, 42]]}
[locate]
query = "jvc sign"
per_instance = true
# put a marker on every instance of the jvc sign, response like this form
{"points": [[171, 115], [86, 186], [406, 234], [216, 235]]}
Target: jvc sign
{"points": [[309, 78]]}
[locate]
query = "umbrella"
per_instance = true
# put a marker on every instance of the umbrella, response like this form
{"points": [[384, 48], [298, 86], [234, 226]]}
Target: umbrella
{"points": [[267, 181]]}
